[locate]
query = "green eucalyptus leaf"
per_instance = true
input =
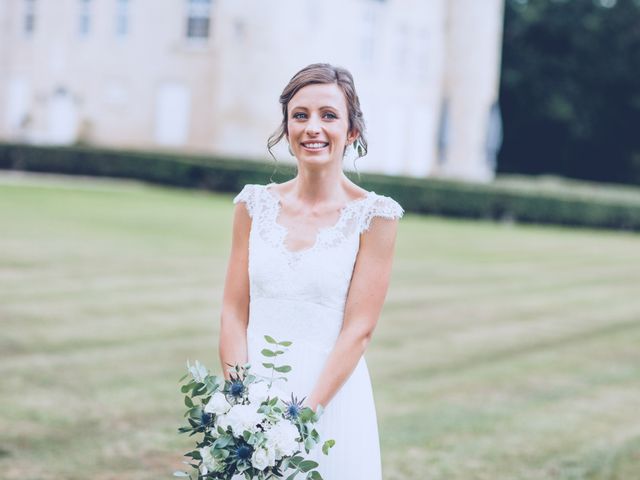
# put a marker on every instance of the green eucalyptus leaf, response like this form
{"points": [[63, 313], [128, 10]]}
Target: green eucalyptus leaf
{"points": [[268, 353], [306, 415], [199, 390], [295, 460], [307, 465], [212, 384], [267, 365], [283, 369], [309, 444], [327, 445], [270, 340], [196, 412], [285, 344], [223, 441]]}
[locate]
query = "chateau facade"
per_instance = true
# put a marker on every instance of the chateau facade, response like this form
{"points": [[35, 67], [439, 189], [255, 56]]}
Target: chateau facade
{"points": [[204, 76]]}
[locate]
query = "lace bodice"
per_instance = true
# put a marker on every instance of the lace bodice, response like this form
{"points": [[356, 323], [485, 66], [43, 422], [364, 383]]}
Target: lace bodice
{"points": [[300, 296], [311, 278]]}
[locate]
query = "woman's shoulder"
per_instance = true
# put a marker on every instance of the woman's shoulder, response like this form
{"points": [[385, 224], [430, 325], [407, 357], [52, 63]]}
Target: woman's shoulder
{"points": [[382, 206], [385, 205], [250, 194], [248, 190]]}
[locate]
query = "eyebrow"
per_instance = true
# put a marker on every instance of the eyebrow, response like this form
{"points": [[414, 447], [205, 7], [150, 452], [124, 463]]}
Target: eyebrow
{"points": [[325, 106]]}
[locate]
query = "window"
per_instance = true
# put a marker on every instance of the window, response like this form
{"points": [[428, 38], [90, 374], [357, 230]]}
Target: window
{"points": [[444, 132], [84, 20], [198, 19], [122, 18], [29, 24], [173, 111], [371, 33]]}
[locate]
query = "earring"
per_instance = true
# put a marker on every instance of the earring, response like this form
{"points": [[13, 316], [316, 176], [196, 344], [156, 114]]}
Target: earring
{"points": [[357, 147], [290, 152]]}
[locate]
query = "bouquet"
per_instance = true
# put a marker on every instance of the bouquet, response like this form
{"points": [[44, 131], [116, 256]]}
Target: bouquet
{"points": [[249, 432]]}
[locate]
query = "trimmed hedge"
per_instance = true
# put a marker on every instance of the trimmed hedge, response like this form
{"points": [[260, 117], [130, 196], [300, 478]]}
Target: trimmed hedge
{"points": [[433, 196]]}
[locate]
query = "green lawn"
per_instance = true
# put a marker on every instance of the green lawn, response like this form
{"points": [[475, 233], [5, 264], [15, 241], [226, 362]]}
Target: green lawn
{"points": [[503, 352]]}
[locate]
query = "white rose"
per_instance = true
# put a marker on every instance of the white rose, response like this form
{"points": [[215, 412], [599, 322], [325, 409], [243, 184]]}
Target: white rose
{"points": [[217, 404], [244, 417], [222, 421], [209, 462], [261, 459], [271, 452], [282, 438], [258, 392]]}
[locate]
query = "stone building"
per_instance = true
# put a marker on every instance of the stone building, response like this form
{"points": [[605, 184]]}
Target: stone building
{"points": [[205, 75]]}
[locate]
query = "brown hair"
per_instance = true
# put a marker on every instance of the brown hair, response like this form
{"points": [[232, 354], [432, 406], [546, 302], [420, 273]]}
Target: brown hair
{"points": [[323, 73]]}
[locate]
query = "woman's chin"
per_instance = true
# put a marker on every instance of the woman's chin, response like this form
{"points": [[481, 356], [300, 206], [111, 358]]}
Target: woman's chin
{"points": [[315, 160]]}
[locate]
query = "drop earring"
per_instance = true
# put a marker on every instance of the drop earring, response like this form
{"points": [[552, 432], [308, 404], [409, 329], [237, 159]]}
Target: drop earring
{"points": [[289, 147]]}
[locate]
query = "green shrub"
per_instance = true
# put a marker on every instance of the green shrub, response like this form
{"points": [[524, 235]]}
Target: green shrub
{"points": [[520, 201]]}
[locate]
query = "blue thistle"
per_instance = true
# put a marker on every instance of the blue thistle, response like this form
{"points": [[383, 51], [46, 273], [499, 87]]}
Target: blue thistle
{"points": [[236, 389], [243, 452], [293, 408], [205, 419]]}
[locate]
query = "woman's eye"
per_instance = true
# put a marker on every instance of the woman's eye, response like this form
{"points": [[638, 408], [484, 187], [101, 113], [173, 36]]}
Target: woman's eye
{"points": [[300, 115]]}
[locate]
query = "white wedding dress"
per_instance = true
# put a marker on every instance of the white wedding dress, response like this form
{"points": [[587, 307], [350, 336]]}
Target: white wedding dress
{"points": [[300, 296]]}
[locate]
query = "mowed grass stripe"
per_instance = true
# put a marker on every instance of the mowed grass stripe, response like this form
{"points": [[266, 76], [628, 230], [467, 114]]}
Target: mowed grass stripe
{"points": [[503, 352]]}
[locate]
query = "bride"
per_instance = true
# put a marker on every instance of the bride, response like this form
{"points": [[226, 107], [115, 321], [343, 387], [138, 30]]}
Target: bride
{"points": [[310, 263]]}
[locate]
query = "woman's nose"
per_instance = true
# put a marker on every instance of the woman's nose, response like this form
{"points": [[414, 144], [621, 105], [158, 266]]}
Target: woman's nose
{"points": [[312, 126]]}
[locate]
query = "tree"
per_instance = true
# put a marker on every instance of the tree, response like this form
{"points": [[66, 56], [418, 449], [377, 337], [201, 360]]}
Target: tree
{"points": [[570, 89]]}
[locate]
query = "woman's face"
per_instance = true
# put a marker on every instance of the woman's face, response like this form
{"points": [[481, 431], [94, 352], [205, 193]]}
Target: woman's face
{"points": [[318, 123]]}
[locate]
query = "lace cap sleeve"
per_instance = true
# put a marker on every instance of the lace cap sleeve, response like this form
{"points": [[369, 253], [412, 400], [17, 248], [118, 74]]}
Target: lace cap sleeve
{"points": [[382, 206], [247, 195]]}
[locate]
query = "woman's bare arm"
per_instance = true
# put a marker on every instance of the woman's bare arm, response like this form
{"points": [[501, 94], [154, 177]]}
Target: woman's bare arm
{"points": [[365, 299], [234, 316]]}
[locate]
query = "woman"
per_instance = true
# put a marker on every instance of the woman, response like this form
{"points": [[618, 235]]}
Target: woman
{"points": [[310, 263]]}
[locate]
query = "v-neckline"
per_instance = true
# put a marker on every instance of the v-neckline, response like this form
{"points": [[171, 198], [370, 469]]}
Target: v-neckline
{"points": [[319, 231]]}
